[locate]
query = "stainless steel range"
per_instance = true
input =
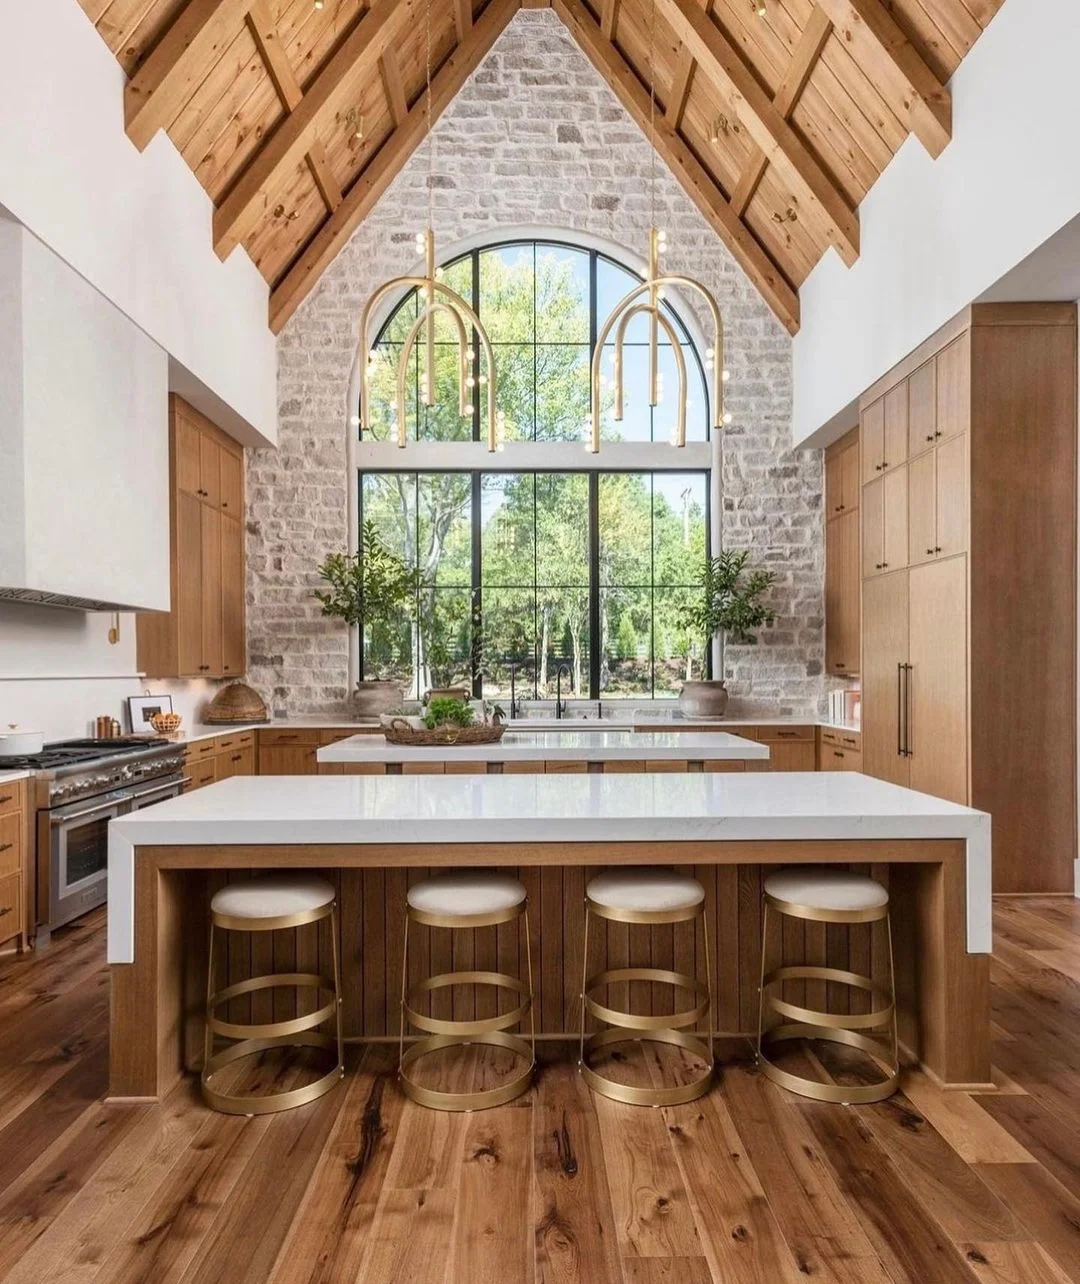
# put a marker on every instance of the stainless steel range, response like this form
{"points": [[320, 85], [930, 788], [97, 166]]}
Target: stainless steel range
{"points": [[79, 786]]}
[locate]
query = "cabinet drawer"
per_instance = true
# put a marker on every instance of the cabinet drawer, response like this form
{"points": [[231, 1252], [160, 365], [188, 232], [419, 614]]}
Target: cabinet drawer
{"points": [[200, 774], [201, 749], [225, 744], [282, 737], [10, 906], [829, 737], [11, 842], [11, 796], [785, 733], [245, 738], [833, 759]]}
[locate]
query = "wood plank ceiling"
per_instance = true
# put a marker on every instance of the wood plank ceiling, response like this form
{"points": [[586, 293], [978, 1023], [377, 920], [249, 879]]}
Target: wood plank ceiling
{"points": [[777, 116]]}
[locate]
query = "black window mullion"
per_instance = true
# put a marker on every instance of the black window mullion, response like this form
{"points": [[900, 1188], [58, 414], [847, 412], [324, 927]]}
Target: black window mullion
{"points": [[594, 586], [477, 602]]}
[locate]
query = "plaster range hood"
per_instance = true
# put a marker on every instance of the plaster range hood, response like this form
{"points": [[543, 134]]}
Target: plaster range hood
{"points": [[84, 521]]}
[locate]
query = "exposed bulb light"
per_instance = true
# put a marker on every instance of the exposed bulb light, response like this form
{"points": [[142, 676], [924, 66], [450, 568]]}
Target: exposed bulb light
{"points": [[727, 417], [725, 375], [319, 4]]}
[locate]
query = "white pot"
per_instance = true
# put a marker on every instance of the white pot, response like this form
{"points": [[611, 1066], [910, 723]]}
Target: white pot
{"points": [[16, 744]]}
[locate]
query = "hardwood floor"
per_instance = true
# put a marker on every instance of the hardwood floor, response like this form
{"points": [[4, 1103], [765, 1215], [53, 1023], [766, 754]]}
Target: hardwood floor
{"points": [[748, 1186]]}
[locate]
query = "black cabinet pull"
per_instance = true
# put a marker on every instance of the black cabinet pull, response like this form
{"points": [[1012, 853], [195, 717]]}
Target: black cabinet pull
{"points": [[930, 550], [5, 911], [236, 757], [6, 798], [937, 548], [878, 468], [937, 434], [6, 846]]}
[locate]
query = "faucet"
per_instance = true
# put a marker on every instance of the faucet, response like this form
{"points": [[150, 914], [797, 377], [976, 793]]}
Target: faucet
{"points": [[515, 708], [560, 703]]}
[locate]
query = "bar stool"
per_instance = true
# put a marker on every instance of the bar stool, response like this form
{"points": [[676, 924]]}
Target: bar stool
{"points": [[645, 896], [827, 895], [459, 901], [276, 901]]}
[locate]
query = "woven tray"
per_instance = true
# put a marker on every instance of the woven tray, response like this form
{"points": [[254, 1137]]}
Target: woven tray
{"points": [[400, 733]]}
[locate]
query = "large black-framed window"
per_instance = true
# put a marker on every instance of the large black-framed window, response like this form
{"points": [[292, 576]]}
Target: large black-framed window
{"points": [[542, 302], [541, 570]]}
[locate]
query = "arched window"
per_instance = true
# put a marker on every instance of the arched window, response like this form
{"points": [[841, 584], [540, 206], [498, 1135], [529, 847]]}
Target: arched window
{"points": [[543, 557]]}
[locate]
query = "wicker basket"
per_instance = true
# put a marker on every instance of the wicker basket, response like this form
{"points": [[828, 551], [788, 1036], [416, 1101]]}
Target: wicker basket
{"points": [[236, 703], [166, 724], [400, 733]]}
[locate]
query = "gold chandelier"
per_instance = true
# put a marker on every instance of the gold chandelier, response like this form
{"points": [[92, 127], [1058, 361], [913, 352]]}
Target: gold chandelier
{"points": [[437, 299], [651, 294]]}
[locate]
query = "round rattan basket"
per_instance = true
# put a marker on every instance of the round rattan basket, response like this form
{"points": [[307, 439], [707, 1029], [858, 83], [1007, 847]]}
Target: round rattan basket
{"points": [[400, 733], [236, 703]]}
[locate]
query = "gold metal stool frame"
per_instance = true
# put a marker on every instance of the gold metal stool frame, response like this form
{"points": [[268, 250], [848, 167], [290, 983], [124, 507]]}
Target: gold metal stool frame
{"points": [[833, 1027], [669, 1029], [300, 1031], [491, 1031]]}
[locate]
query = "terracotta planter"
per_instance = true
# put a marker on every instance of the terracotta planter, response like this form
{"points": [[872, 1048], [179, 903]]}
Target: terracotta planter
{"points": [[704, 699], [448, 693], [375, 697]]}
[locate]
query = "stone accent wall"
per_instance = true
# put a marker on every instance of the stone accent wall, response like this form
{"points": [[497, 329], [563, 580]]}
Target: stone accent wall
{"points": [[534, 138]]}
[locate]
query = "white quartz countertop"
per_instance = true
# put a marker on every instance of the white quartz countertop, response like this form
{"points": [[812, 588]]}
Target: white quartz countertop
{"points": [[557, 746], [9, 777], [722, 806]]}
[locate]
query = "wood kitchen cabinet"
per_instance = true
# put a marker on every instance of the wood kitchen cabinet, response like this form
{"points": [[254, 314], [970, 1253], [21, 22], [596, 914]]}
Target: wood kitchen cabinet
{"points": [[203, 633], [219, 757], [842, 578], [14, 854], [977, 633]]}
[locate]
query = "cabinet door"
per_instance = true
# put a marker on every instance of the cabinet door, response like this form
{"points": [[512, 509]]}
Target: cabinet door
{"points": [[937, 733], [872, 439], [953, 402], [922, 503], [189, 585], [922, 409], [842, 595], [849, 477], [210, 594], [873, 527], [232, 483], [294, 760], [896, 426], [232, 596], [210, 470], [186, 437], [951, 497], [885, 648], [894, 543], [792, 755], [834, 485]]}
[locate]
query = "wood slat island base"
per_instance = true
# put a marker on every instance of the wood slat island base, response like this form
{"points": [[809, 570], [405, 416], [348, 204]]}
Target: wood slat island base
{"points": [[157, 1001]]}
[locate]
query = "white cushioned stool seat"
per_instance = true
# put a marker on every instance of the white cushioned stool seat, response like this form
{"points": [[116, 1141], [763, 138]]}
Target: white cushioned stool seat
{"points": [[826, 889], [273, 896], [465, 892], [642, 889]]}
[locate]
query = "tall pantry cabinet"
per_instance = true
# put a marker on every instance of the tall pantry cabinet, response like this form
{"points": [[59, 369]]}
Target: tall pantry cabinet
{"points": [[968, 511]]}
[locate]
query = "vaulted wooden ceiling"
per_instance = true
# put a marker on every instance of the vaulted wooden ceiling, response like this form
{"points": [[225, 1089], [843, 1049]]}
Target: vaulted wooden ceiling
{"points": [[777, 116]]}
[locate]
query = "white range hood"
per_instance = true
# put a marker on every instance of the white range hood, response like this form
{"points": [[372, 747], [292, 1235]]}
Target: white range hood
{"points": [[84, 457]]}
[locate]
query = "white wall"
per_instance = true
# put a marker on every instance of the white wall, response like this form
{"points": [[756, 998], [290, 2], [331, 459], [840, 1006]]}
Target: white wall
{"points": [[136, 226], [937, 234]]}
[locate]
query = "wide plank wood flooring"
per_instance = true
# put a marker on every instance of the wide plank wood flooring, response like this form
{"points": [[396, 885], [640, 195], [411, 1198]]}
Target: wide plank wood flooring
{"points": [[748, 1186]]}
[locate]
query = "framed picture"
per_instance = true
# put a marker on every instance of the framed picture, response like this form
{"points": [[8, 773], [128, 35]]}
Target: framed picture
{"points": [[142, 708]]}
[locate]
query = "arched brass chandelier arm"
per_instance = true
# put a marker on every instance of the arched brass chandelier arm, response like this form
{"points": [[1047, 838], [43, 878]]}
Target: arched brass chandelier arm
{"points": [[688, 283], [489, 354], [620, 338], [598, 352], [623, 321], [363, 349], [426, 321]]}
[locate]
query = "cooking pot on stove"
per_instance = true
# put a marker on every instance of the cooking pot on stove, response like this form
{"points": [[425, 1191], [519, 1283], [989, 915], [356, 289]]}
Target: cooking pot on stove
{"points": [[17, 744]]}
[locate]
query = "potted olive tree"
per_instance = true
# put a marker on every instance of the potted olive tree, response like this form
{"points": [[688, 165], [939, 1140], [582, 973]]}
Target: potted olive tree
{"points": [[375, 591], [729, 606]]}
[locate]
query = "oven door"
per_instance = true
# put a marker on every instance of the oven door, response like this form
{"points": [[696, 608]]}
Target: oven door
{"points": [[79, 855]]}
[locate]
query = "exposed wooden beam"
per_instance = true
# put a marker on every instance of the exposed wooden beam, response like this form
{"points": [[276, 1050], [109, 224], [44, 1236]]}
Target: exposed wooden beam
{"points": [[609, 17], [393, 87], [680, 84], [463, 18], [257, 184], [264, 31], [695, 179], [719, 59], [167, 79], [803, 61], [329, 187], [387, 163], [889, 59]]}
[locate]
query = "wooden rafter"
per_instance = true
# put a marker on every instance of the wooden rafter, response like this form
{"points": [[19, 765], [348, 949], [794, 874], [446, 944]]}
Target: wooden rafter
{"points": [[803, 61], [764, 123], [264, 31], [387, 162], [254, 188], [171, 74], [609, 16], [695, 179], [680, 85], [463, 18], [888, 57], [393, 87]]}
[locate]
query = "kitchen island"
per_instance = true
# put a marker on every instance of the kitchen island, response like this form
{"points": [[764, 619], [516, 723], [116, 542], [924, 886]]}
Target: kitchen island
{"points": [[373, 835], [565, 750]]}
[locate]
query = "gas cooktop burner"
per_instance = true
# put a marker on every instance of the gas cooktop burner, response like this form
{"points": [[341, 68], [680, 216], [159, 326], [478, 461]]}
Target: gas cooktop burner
{"points": [[70, 753]]}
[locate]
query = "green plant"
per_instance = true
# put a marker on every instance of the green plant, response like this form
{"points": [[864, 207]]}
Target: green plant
{"points": [[444, 709], [729, 605], [372, 589]]}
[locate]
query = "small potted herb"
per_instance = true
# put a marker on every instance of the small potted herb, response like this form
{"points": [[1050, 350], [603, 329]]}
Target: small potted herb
{"points": [[729, 606], [375, 591]]}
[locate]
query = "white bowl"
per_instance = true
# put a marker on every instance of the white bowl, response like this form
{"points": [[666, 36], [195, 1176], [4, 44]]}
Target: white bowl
{"points": [[16, 744]]}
